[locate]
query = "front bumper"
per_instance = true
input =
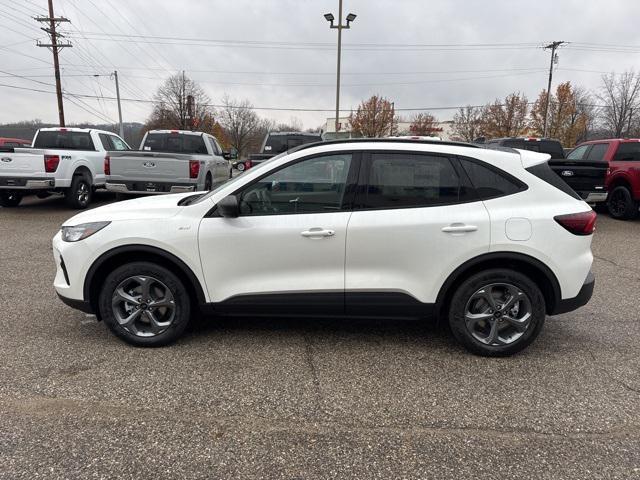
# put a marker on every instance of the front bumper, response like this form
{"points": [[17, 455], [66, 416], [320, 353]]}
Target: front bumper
{"points": [[583, 297], [18, 183], [81, 305], [151, 188]]}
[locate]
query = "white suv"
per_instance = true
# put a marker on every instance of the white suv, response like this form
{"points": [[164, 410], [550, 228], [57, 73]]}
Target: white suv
{"points": [[492, 240]]}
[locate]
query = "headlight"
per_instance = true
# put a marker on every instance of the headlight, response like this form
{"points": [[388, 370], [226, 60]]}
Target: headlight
{"points": [[80, 232]]}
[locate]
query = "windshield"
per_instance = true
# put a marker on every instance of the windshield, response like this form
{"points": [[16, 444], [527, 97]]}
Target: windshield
{"points": [[260, 166]]}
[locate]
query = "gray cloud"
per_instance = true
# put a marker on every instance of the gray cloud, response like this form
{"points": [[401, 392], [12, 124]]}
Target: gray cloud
{"points": [[303, 77]]}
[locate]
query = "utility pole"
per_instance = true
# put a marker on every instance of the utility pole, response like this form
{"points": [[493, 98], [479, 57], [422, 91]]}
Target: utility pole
{"points": [[183, 103], [553, 46], [115, 76], [330, 18], [55, 47]]}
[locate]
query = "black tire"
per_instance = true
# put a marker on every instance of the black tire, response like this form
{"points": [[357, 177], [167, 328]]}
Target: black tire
{"points": [[122, 196], [621, 204], [80, 193], [134, 335], [208, 183], [464, 297], [240, 167], [10, 199], [231, 173]]}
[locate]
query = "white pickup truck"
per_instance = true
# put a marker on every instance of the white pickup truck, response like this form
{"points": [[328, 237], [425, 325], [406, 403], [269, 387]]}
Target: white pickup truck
{"points": [[61, 160], [169, 161]]}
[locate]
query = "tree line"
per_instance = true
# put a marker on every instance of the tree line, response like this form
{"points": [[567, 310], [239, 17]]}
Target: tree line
{"points": [[573, 114]]}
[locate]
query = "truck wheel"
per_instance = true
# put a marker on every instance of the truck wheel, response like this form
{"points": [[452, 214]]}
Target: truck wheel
{"points": [[10, 199], [497, 312], [79, 194], [240, 167], [621, 204], [208, 183]]}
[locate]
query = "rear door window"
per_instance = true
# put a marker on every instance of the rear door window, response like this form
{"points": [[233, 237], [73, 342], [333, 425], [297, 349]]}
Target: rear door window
{"points": [[106, 141], [628, 152], [406, 180]]}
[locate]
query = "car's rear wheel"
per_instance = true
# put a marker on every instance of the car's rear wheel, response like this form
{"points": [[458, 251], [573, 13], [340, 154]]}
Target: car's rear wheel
{"points": [[240, 167], [621, 204], [79, 194], [145, 304], [497, 312], [10, 199]]}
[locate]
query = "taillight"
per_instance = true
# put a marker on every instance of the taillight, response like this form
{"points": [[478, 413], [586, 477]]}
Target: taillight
{"points": [[247, 164], [194, 168], [51, 163], [583, 223], [107, 165]]}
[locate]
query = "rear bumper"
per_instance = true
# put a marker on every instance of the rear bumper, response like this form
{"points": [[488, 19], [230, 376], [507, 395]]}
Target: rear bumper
{"points": [[22, 183], [594, 197], [583, 297], [151, 188]]}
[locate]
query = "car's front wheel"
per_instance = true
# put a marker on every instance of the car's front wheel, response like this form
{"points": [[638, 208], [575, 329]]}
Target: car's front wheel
{"points": [[145, 304], [497, 312]]}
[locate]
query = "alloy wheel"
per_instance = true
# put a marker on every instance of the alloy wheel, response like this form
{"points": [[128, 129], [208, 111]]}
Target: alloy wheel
{"points": [[498, 314], [143, 305], [83, 193]]}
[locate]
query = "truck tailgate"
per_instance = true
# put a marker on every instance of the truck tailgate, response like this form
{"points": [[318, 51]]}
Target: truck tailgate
{"points": [[22, 164], [581, 175], [148, 166]]}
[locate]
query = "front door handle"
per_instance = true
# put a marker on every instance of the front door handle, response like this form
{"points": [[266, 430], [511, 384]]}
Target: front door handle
{"points": [[459, 228], [318, 232]]}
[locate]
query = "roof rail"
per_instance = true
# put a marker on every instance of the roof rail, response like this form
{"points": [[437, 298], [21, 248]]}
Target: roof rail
{"points": [[383, 140]]}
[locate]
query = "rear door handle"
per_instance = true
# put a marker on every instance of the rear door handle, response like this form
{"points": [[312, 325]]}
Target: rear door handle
{"points": [[459, 228], [318, 232]]}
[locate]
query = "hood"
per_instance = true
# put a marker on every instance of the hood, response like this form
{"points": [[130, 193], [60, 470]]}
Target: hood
{"points": [[152, 207]]}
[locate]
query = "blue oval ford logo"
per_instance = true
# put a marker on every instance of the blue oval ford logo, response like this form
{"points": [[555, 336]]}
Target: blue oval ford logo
{"points": [[149, 164], [6, 159], [567, 173]]}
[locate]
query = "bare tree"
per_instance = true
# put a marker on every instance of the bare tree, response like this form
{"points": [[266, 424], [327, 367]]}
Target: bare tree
{"points": [[375, 117], [240, 122], [423, 124], [172, 105], [293, 125], [466, 123], [621, 97]]}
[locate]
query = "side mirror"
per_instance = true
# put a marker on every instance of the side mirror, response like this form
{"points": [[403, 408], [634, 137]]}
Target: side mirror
{"points": [[228, 207], [226, 155]]}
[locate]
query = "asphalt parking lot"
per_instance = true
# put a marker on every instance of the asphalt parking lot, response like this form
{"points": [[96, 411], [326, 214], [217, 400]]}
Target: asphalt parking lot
{"points": [[301, 399]]}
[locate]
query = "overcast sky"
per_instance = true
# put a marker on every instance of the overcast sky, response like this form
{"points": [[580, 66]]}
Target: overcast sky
{"points": [[285, 53]]}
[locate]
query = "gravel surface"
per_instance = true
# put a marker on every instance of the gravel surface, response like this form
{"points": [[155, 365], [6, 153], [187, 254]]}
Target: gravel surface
{"points": [[304, 399]]}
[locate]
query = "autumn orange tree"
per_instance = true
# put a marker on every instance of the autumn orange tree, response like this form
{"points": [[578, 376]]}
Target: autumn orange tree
{"points": [[374, 117], [505, 118], [423, 124], [566, 120]]}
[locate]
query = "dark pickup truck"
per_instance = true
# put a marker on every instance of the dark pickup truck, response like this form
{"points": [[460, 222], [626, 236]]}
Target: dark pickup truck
{"points": [[584, 170], [276, 143]]}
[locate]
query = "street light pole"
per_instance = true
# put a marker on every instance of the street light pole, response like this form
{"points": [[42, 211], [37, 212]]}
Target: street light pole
{"points": [[330, 18]]}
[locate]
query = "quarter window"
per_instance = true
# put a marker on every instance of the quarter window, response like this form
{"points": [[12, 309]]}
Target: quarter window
{"points": [[489, 182], [628, 152], [402, 180], [315, 185]]}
